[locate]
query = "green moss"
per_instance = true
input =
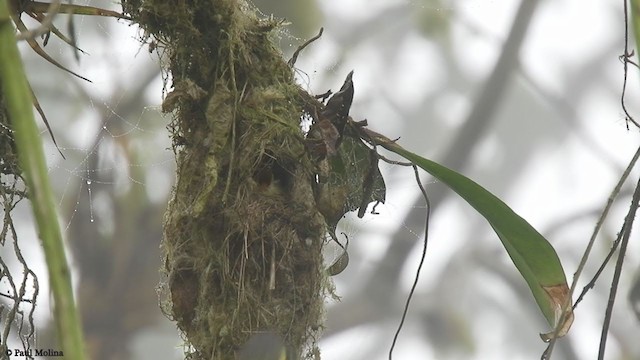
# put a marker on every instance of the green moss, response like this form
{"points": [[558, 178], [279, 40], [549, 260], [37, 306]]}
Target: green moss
{"points": [[242, 235]]}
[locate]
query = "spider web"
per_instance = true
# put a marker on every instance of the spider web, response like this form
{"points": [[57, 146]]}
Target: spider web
{"points": [[113, 136]]}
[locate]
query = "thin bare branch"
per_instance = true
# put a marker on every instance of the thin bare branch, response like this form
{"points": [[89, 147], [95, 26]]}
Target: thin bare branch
{"points": [[422, 258], [626, 234], [296, 53]]}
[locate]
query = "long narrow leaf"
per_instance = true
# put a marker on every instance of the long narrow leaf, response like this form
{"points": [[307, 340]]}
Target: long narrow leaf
{"points": [[531, 253]]}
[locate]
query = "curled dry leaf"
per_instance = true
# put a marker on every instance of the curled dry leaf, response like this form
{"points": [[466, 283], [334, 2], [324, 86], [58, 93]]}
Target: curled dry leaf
{"points": [[348, 178], [339, 264], [558, 296], [326, 133]]}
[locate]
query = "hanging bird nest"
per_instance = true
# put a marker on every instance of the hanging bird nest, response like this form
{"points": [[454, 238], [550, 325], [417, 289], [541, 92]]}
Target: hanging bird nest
{"points": [[255, 197]]}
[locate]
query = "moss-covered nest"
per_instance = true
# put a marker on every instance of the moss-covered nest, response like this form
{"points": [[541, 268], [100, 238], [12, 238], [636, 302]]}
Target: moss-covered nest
{"points": [[242, 235]]}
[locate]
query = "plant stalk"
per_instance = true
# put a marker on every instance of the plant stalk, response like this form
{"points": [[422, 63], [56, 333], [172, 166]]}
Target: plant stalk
{"points": [[30, 153]]}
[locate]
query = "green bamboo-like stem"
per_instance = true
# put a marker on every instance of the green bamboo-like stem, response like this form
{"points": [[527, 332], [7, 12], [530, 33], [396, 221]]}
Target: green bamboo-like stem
{"points": [[635, 20], [20, 110]]}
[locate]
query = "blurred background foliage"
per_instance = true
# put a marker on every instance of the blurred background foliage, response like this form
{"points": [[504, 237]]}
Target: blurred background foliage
{"points": [[522, 97]]}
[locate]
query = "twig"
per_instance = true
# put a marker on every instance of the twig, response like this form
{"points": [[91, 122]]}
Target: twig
{"points": [[592, 283], [422, 258], [600, 222], [625, 59], [294, 58], [614, 193], [626, 233], [394, 162]]}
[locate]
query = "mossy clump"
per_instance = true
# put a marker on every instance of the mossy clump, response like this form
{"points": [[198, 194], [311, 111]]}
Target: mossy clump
{"points": [[242, 235]]}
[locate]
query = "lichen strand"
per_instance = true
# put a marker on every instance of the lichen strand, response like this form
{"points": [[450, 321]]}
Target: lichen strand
{"points": [[242, 235]]}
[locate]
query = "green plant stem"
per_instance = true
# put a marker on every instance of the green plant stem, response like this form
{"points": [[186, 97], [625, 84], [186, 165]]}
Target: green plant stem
{"points": [[635, 20], [19, 106]]}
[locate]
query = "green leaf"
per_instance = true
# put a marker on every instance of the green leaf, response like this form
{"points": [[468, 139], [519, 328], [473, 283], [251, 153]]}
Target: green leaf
{"points": [[531, 253]]}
